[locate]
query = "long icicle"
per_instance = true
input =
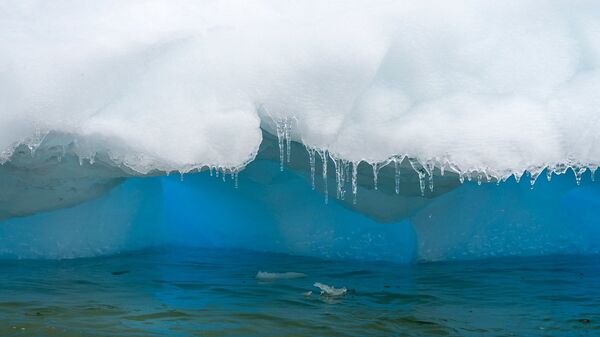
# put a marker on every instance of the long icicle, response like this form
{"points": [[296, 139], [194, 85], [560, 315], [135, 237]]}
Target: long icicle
{"points": [[323, 154], [397, 175], [354, 184], [420, 172], [337, 178], [311, 159], [288, 139], [375, 171], [430, 169], [280, 140]]}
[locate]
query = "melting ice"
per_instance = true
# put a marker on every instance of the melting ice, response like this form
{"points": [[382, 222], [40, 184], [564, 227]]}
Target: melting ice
{"points": [[383, 106]]}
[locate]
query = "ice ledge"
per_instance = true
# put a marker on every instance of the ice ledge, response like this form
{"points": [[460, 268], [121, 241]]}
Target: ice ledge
{"points": [[60, 170]]}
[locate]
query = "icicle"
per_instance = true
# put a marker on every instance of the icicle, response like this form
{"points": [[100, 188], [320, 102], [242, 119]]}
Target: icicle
{"points": [[339, 178], [311, 159], [533, 175], [479, 178], [354, 185], [420, 172], [288, 139], [223, 174], [217, 172], [284, 140], [422, 184], [375, 171], [517, 176], [181, 176], [345, 177], [430, 168], [323, 155], [397, 175], [593, 173], [210, 170], [548, 173], [578, 172], [235, 184], [280, 140], [336, 169], [341, 170], [347, 174]]}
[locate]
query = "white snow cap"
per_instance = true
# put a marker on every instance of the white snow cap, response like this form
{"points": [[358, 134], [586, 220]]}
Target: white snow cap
{"points": [[498, 87]]}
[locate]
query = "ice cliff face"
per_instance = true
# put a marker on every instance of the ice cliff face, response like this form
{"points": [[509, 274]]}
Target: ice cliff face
{"points": [[403, 100], [59, 208]]}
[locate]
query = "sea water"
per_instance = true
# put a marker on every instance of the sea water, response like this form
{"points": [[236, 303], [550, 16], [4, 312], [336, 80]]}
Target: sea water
{"points": [[199, 292]]}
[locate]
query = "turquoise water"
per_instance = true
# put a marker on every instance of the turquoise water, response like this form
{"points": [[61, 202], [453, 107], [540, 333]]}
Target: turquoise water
{"points": [[193, 292]]}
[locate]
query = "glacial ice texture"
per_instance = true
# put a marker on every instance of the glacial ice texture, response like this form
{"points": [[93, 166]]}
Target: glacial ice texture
{"points": [[277, 211], [382, 108]]}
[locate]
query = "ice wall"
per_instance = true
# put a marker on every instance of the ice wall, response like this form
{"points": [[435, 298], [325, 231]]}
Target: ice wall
{"points": [[279, 211], [474, 222], [127, 217], [270, 211]]}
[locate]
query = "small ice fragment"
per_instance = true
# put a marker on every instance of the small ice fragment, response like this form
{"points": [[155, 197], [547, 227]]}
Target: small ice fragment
{"points": [[266, 276], [307, 294], [329, 290]]}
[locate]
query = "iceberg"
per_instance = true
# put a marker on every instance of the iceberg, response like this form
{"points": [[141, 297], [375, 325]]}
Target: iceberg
{"points": [[475, 88], [371, 130]]}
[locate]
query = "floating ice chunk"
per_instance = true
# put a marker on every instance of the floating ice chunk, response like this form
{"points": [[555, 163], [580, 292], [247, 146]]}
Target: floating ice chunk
{"points": [[307, 294], [330, 291], [266, 276]]}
